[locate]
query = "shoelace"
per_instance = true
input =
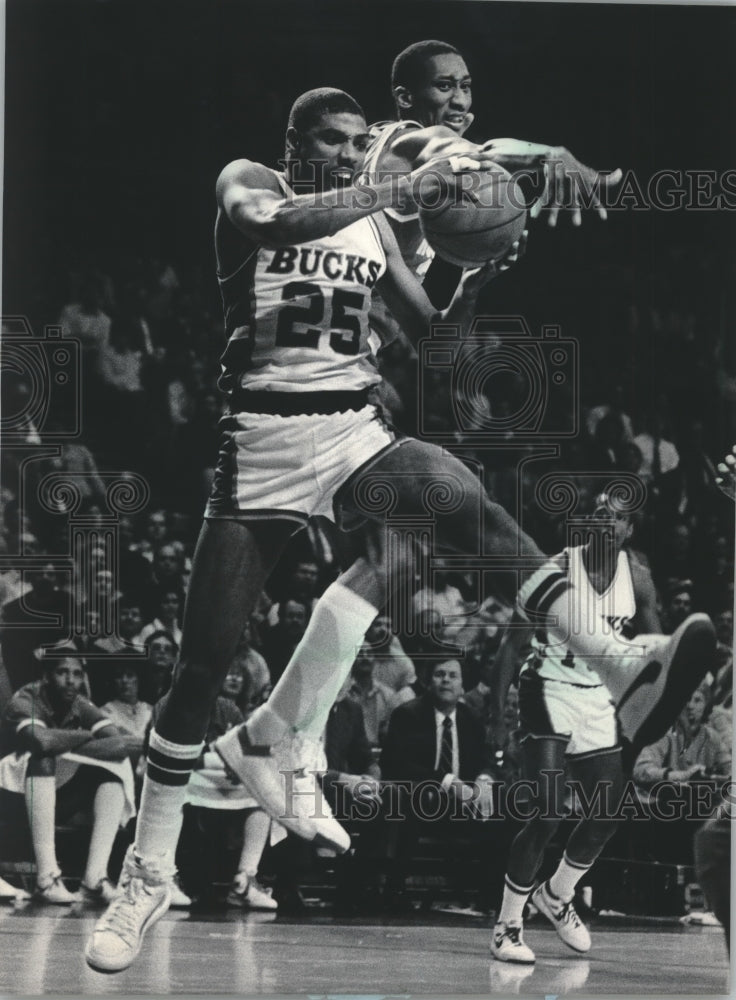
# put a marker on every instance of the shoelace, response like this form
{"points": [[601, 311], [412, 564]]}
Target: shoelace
{"points": [[513, 934], [123, 916], [568, 915], [55, 881]]}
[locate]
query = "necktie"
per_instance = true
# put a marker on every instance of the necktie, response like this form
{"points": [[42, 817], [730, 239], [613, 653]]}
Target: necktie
{"points": [[445, 766]]}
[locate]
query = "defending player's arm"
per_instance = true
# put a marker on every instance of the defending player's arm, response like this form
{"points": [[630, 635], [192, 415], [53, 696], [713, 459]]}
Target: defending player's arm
{"points": [[568, 183], [646, 619], [511, 653]]}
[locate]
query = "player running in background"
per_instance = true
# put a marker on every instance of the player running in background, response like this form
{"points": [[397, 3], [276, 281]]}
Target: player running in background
{"points": [[568, 725]]}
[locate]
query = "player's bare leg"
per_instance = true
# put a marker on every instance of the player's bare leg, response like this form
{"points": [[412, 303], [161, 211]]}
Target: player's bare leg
{"points": [[230, 566]]}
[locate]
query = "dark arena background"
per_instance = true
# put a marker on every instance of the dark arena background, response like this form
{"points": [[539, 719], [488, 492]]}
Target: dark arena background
{"points": [[119, 117]]}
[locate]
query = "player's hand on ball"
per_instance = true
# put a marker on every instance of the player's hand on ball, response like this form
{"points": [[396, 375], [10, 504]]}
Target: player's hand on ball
{"points": [[474, 278], [571, 185], [514, 254], [726, 478]]}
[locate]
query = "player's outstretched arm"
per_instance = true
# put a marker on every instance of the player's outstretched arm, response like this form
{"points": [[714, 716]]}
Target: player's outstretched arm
{"points": [[569, 184], [726, 478]]}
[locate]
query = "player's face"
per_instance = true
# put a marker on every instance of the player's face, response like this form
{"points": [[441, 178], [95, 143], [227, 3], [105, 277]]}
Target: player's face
{"points": [[622, 526], [445, 96], [336, 145]]}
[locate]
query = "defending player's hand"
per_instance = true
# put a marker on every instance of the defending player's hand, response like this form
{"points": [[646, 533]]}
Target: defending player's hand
{"points": [[474, 278], [572, 186], [726, 479]]}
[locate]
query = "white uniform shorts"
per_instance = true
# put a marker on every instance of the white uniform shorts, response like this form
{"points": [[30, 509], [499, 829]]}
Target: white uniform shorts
{"points": [[585, 717], [291, 467]]}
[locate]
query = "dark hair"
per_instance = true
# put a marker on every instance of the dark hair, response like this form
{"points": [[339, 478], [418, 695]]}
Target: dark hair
{"points": [[408, 65], [150, 639], [309, 108]]}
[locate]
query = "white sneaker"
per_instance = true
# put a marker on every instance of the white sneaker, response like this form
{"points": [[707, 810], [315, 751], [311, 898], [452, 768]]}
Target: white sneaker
{"points": [[250, 894], [507, 945], [563, 917], [677, 665], [10, 893], [55, 892], [142, 898], [179, 899], [98, 895], [264, 770]]}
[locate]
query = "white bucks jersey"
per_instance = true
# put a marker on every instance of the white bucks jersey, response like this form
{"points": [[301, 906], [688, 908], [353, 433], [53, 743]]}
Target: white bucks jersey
{"points": [[591, 613], [296, 317]]}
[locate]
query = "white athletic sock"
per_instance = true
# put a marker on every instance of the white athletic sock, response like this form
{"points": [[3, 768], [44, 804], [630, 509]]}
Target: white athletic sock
{"points": [[168, 769], [307, 689], [568, 874], [549, 592], [514, 900]]}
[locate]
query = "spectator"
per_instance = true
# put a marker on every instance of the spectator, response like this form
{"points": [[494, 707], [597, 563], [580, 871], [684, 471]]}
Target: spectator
{"points": [[131, 715], [376, 700], [169, 608], [63, 754], [85, 317], [22, 631], [391, 666], [350, 763], [679, 605], [254, 669], [161, 650], [437, 743], [438, 737], [168, 572], [283, 638], [301, 587]]}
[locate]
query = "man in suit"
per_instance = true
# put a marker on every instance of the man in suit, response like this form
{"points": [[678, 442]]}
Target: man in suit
{"points": [[438, 745], [438, 738]]}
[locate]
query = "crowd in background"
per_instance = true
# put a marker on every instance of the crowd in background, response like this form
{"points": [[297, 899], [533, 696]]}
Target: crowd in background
{"points": [[150, 340]]}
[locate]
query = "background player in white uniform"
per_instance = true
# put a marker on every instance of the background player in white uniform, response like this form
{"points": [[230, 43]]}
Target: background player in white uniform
{"points": [[568, 723], [296, 275]]}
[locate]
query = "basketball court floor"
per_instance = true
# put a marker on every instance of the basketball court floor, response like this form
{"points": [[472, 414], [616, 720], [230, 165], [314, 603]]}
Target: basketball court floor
{"points": [[42, 952]]}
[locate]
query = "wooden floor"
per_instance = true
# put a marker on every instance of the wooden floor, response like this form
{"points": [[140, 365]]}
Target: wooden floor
{"points": [[41, 952]]}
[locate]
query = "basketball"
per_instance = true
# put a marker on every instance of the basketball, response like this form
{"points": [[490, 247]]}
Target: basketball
{"points": [[476, 218]]}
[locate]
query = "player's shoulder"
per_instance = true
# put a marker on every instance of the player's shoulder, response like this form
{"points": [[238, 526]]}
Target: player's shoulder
{"points": [[246, 173]]}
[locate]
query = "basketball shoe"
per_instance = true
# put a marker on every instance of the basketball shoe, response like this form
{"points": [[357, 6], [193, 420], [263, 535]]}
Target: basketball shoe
{"points": [[507, 945], [563, 916], [281, 778], [142, 898]]}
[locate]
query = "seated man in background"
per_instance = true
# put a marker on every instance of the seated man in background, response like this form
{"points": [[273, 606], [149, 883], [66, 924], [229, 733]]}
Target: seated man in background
{"points": [[437, 743], [125, 710], [391, 665], [376, 700], [61, 754]]}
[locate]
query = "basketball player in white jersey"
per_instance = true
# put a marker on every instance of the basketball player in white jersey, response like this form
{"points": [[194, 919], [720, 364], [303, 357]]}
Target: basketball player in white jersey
{"points": [[296, 274], [568, 723]]}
